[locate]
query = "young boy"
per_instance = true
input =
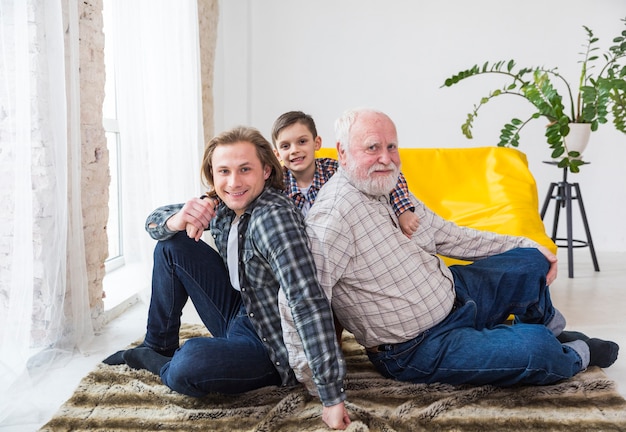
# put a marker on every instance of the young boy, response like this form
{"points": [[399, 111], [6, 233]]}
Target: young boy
{"points": [[295, 140]]}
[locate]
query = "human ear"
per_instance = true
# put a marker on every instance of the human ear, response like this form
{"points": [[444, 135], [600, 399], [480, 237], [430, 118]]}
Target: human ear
{"points": [[277, 155], [341, 155], [318, 142]]}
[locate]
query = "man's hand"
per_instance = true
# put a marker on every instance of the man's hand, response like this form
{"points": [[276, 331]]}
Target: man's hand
{"points": [[551, 276], [409, 223], [193, 232], [194, 217], [336, 416]]}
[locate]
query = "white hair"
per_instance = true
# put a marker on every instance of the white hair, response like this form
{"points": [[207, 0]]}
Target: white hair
{"points": [[345, 122]]}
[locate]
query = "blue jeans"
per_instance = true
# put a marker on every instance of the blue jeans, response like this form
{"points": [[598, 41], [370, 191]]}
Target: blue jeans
{"points": [[232, 361], [473, 346]]}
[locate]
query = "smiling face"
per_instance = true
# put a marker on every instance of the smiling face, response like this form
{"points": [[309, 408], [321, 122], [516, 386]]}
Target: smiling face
{"points": [[371, 160], [296, 146], [238, 174]]}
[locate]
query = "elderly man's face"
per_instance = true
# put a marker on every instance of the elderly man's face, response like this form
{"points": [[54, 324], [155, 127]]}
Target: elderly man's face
{"points": [[372, 161]]}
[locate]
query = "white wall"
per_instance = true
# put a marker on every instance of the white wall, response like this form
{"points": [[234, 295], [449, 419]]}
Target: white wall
{"points": [[325, 56]]}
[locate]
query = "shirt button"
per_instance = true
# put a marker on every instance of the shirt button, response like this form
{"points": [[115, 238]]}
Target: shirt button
{"points": [[277, 363], [264, 339], [251, 314]]}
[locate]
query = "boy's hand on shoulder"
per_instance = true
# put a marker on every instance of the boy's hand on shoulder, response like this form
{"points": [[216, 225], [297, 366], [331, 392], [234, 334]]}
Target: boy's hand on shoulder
{"points": [[409, 222]]}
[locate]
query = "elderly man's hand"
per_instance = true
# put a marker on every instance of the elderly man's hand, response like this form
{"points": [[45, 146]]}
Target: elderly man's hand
{"points": [[552, 271]]}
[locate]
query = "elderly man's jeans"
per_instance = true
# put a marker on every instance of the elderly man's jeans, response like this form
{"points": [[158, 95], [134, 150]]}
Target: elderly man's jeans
{"points": [[232, 361], [473, 346]]}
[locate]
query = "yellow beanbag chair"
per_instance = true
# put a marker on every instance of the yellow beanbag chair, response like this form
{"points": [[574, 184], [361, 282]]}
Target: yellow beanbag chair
{"points": [[487, 188]]}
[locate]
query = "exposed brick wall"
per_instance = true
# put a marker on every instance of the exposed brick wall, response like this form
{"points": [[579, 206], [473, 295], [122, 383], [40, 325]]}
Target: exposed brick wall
{"points": [[208, 16], [95, 157]]}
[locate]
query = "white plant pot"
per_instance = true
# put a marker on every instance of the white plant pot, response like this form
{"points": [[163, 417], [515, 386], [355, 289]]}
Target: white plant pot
{"points": [[578, 137]]}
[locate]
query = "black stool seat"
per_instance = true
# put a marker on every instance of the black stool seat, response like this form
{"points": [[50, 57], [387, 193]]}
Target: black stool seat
{"points": [[565, 193]]}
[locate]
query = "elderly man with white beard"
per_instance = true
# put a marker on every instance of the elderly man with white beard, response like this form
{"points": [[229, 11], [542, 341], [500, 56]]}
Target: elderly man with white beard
{"points": [[420, 320]]}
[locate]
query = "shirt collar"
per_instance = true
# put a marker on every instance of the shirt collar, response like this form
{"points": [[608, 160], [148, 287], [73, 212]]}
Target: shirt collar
{"points": [[292, 184]]}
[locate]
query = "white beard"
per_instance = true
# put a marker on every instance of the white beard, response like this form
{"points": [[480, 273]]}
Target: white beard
{"points": [[372, 186]]}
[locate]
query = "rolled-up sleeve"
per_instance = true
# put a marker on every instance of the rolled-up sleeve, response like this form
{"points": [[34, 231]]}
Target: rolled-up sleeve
{"points": [[156, 222]]}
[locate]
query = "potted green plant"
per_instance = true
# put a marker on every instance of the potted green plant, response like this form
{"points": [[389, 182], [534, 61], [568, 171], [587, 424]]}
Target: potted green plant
{"points": [[595, 95]]}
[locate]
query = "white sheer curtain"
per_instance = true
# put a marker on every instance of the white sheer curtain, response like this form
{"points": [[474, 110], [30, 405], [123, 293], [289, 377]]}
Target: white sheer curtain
{"points": [[159, 113], [44, 309]]}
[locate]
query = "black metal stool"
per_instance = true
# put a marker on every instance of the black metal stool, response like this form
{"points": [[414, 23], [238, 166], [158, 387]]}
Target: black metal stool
{"points": [[564, 198]]}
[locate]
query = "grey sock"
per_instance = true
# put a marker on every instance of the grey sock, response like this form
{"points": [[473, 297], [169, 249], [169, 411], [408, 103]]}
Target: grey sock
{"points": [[557, 323], [582, 349]]}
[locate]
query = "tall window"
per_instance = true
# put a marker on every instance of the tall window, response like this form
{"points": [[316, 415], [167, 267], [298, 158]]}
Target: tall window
{"points": [[111, 127], [152, 101]]}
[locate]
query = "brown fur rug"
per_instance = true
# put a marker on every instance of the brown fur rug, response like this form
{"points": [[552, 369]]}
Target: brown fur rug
{"points": [[117, 398]]}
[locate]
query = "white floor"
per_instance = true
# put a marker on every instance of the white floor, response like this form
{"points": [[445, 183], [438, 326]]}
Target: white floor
{"points": [[593, 302]]}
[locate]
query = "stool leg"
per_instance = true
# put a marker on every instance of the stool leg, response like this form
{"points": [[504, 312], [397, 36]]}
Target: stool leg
{"points": [[547, 200], [557, 207], [560, 202], [570, 242], [579, 197]]}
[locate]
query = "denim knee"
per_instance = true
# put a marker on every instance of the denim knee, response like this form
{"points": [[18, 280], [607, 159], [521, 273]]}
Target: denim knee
{"points": [[178, 242], [180, 374], [535, 260]]}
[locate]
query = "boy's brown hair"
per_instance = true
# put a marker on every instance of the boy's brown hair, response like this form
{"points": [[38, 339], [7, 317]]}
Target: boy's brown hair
{"points": [[292, 117]]}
